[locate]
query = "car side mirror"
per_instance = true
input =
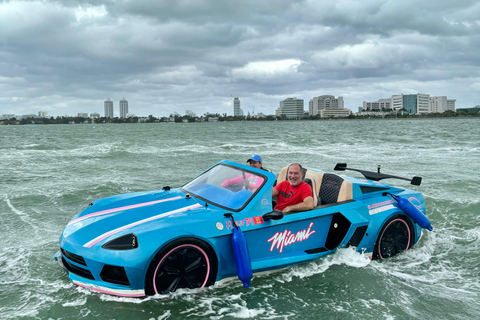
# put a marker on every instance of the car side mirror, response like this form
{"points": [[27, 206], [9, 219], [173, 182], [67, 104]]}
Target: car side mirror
{"points": [[274, 215]]}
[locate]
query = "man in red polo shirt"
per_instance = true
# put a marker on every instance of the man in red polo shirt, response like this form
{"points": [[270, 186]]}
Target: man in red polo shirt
{"points": [[294, 194]]}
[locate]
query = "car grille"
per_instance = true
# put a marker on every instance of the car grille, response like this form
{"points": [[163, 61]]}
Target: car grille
{"points": [[73, 257], [112, 274], [77, 270]]}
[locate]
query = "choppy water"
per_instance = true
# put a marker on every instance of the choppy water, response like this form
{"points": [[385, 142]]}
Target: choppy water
{"points": [[50, 173]]}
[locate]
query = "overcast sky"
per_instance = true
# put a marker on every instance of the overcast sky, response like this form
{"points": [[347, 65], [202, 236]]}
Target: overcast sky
{"points": [[69, 56]]}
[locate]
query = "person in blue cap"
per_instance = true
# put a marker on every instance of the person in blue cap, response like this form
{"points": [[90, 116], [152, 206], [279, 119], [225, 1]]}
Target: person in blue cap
{"points": [[247, 181], [256, 162]]}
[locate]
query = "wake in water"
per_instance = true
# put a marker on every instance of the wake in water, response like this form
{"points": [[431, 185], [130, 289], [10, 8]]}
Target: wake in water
{"points": [[53, 172]]}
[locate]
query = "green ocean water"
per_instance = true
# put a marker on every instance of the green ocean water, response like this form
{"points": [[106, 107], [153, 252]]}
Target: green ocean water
{"points": [[50, 173]]}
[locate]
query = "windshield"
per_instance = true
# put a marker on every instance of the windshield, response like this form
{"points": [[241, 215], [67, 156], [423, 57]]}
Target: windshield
{"points": [[226, 186]]}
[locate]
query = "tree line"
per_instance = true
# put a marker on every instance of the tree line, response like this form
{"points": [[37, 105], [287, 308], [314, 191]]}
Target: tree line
{"points": [[218, 117]]}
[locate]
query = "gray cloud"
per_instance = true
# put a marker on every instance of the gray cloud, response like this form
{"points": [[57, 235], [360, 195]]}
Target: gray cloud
{"points": [[166, 56]]}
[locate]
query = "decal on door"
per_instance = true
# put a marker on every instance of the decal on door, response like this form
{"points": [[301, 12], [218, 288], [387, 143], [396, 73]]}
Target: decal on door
{"points": [[283, 239]]}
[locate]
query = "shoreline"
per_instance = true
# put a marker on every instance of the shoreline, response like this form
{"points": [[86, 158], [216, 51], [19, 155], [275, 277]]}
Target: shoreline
{"points": [[77, 120]]}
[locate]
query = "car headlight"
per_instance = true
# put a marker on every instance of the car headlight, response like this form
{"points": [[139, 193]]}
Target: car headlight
{"points": [[126, 242]]}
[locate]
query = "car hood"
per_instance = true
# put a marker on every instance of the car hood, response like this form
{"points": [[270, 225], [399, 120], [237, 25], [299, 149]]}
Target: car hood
{"points": [[108, 218]]}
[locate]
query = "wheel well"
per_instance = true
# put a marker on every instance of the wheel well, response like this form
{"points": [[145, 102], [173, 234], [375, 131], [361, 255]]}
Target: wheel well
{"points": [[404, 217], [212, 255], [397, 215]]}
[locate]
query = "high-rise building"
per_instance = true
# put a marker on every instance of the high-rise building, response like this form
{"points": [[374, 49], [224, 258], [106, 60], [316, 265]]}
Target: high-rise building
{"points": [[237, 111], [42, 114], [123, 108], [324, 102], [291, 108], [108, 106]]}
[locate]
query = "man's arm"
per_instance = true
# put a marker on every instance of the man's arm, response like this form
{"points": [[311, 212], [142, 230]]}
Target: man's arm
{"points": [[307, 204], [275, 192]]}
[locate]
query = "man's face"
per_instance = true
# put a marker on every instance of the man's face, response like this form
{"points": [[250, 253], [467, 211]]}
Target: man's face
{"points": [[294, 175]]}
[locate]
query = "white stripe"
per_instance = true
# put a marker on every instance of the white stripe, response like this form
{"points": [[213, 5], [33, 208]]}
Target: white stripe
{"points": [[109, 233]]}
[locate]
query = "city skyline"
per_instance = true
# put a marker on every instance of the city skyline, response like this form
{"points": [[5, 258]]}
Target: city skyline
{"points": [[66, 58], [324, 105]]}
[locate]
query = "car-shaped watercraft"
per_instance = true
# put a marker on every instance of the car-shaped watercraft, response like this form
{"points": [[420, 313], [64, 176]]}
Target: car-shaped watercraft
{"points": [[220, 225]]}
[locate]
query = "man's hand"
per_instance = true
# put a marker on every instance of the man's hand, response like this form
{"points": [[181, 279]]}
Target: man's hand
{"points": [[307, 204]]}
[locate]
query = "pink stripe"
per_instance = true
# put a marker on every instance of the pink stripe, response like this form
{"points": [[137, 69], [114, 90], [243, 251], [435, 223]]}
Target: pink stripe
{"points": [[131, 295], [108, 234], [133, 206]]}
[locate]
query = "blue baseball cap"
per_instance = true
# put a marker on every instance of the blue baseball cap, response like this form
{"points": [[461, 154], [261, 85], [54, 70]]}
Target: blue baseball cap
{"points": [[255, 157]]}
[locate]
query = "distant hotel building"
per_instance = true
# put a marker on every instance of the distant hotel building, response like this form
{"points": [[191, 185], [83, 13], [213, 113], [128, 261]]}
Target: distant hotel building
{"points": [[108, 106], [324, 102], [123, 108], [42, 114], [292, 108], [82, 115], [237, 111], [94, 115]]}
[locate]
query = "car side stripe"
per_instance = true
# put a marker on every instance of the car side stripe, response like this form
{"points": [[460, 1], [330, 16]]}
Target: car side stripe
{"points": [[133, 206], [109, 233]]}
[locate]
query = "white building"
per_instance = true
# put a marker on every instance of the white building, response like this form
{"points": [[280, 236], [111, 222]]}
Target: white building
{"points": [[237, 111], [441, 104], [326, 113], [291, 107], [95, 115], [82, 114], [108, 107], [397, 102], [380, 105], [324, 102], [123, 108], [451, 104], [28, 116], [7, 116], [42, 114]]}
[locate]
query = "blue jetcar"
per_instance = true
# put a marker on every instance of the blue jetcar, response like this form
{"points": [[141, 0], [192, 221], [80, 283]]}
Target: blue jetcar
{"points": [[155, 242]]}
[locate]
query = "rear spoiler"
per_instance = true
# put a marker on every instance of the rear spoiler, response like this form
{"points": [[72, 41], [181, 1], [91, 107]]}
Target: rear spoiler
{"points": [[377, 176]]}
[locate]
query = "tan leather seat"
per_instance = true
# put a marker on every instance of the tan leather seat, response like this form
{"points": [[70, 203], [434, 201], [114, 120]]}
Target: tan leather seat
{"points": [[327, 188]]}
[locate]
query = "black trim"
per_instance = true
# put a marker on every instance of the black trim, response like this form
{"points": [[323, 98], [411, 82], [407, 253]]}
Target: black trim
{"points": [[73, 257], [338, 230], [333, 204], [114, 274], [357, 236], [368, 189], [125, 242], [77, 270], [377, 176], [316, 250]]}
